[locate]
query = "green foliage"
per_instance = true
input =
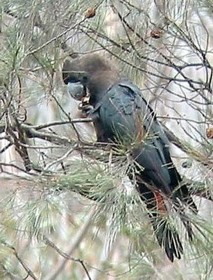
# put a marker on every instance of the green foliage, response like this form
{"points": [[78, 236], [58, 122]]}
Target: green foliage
{"points": [[86, 206]]}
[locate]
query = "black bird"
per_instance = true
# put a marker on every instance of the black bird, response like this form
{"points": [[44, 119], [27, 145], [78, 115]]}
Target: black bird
{"points": [[122, 116]]}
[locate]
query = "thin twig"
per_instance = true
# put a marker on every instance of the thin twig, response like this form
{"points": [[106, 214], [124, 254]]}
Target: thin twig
{"points": [[78, 238], [56, 37], [177, 142], [77, 120], [26, 268], [66, 256]]}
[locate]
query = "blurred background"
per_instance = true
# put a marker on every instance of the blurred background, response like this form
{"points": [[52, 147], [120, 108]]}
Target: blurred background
{"points": [[68, 212]]}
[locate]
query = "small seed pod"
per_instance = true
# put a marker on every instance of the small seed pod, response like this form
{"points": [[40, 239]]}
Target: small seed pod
{"points": [[90, 13]]}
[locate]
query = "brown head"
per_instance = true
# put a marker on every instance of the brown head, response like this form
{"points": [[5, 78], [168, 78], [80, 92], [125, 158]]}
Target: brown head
{"points": [[93, 71]]}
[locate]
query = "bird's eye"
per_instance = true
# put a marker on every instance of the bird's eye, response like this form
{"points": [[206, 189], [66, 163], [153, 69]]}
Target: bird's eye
{"points": [[84, 79]]}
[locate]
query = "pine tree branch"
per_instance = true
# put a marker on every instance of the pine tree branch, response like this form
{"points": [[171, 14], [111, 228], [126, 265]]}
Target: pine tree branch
{"points": [[66, 256], [77, 239], [26, 268]]}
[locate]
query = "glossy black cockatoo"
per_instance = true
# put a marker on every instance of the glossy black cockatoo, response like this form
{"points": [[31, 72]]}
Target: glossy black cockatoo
{"points": [[122, 116]]}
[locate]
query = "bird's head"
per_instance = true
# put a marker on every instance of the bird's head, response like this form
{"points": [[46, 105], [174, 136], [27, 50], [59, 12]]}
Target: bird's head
{"points": [[90, 75]]}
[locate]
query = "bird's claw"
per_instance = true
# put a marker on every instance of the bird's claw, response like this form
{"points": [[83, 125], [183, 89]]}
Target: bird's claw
{"points": [[85, 108]]}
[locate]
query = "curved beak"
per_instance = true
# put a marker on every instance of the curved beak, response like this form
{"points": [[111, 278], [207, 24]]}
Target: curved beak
{"points": [[76, 90]]}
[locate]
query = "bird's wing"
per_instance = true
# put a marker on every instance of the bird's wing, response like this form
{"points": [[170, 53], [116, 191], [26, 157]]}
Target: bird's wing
{"points": [[119, 113], [127, 118]]}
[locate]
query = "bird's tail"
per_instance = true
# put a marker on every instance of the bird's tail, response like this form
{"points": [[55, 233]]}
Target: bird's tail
{"points": [[165, 231], [167, 237], [183, 199]]}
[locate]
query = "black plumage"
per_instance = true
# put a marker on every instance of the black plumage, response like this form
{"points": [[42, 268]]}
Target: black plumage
{"points": [[122, 116]]}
